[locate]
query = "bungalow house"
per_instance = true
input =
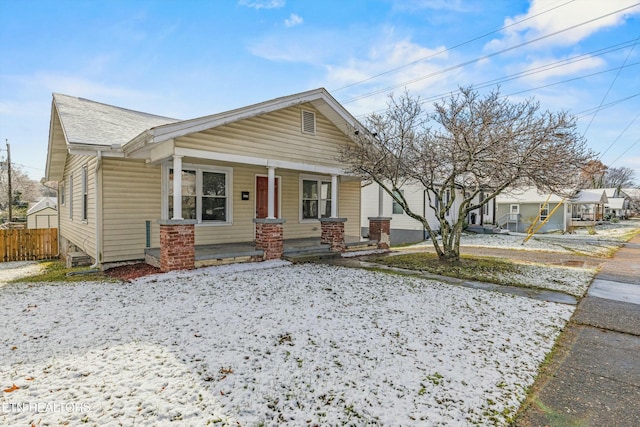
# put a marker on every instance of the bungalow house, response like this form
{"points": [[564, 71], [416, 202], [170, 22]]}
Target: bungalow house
{"points": [[633, 196], [136, 186], [43, 214], [404, 229], [617, 205], [518, 209]]}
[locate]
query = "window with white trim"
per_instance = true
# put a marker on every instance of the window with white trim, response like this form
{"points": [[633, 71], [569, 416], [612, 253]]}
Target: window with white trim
{"points": [[85, 194], [61, 192], [446, 200], [544, 212], [206, 194], [396, 209], [315, 198], [71, 196]]}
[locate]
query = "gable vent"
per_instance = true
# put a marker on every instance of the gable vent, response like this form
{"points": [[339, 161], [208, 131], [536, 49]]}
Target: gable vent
{"points": [[308, 122]]}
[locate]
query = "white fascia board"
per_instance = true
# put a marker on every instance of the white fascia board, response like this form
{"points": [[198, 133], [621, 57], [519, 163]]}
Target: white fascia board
{"points": [[161, 151], [86, 151], [258, 161]]}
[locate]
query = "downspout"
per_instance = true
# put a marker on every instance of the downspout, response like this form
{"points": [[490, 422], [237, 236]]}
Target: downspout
{"points": [[98, 192]]}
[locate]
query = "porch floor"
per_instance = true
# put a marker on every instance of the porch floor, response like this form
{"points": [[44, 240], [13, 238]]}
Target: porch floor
{"points": [[246, 251]]}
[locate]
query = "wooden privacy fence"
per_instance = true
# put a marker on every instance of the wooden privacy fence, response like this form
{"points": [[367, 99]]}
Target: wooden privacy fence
{"points": [[28, 244]]}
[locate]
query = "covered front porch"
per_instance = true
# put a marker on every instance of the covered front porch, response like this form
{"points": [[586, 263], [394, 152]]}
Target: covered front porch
{"points": [[227, 253]]}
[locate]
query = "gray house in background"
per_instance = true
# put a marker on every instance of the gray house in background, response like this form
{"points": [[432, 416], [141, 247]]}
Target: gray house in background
{"points": [[517, 209]]}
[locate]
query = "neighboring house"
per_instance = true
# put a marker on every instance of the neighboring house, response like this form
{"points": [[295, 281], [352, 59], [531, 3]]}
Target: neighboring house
{"points": [[616, 207], [43, 214], [245, 175], [404, 229], [633, 195], [518, 209]]}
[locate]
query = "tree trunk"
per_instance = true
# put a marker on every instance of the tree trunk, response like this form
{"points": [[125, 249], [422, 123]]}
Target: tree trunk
{"points": [[450, 254]]}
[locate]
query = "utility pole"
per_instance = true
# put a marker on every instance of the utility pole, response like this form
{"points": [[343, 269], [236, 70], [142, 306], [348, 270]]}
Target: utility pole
{"points": [[9, 178]]}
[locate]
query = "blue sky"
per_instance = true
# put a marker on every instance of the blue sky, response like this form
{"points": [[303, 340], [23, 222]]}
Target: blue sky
{"points": [[186, 59]]}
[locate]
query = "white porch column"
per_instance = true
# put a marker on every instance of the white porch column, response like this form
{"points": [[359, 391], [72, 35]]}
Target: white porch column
{"points": [[271, 193], [177, 187], [334, 196], [380, 201]]}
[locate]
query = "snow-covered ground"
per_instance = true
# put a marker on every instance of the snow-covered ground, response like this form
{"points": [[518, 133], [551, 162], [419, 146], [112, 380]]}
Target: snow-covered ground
{"points": [[598, 245], [271, 344]]}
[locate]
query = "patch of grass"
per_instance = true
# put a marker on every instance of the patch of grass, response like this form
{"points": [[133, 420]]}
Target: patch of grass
{"points": [[56, 271], [486, 269]]}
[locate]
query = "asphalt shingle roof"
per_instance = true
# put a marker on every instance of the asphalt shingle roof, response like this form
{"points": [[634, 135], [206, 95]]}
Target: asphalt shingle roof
{"points": [[89, 122]]}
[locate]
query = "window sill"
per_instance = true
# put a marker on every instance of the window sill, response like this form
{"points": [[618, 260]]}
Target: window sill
{"points": [[213, 224]]}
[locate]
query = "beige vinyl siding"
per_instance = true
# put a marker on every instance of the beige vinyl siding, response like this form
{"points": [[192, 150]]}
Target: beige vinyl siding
{"points": [[277, 135], [80, 233], [131, 194], [349, 207]]}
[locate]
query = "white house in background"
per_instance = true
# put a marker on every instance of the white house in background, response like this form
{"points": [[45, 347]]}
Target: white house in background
{"points": [[43, 214], [517, 209], [617, 207], [633, 195], [404, 229]]}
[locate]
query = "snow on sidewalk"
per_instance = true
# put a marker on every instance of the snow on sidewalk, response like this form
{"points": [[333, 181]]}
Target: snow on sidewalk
{"points": [[270, 343]]}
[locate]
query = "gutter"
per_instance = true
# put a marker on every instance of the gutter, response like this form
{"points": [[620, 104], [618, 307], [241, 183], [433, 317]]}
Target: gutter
{"points": [[98, 185]]}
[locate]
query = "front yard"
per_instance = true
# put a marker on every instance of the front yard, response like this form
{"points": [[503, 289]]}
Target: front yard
{"points": [[279, 344], [267, 344]]}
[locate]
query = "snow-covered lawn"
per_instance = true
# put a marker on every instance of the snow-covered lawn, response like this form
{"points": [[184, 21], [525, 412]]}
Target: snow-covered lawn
{"points": [[271, 344], [569, 280]]}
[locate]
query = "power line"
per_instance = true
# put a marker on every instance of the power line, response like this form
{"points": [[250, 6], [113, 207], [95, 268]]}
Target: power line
{"points": [[448, 49], [574, 78], [611, 85], [625, 151], [619, 136], [472, 61], [585, 113]]}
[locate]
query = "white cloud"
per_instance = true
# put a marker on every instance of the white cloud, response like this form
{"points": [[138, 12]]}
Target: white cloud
{"points": [[548, 16], [262, 4], [293, 20]]}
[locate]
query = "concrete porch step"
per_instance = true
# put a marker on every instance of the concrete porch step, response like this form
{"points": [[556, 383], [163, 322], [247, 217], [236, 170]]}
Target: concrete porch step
{"points": [[364, 245]]}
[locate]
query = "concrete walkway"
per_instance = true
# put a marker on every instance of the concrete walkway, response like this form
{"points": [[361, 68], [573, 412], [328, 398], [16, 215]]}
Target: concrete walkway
{"points": [[593, 376]]}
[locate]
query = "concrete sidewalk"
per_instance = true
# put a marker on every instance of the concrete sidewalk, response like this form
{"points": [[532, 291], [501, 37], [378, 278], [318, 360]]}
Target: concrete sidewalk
{"points": [[593, 377]]}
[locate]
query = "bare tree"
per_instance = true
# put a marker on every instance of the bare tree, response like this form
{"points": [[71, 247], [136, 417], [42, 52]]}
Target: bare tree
{"points": [[30, 190], [593, 174], [621, 177], [477, 144]]}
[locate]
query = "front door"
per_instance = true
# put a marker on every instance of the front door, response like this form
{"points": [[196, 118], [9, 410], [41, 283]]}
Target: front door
{"points": [[262, 197], [514, 212]]}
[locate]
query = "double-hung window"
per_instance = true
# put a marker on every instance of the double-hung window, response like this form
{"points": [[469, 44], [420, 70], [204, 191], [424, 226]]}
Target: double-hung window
{"points": [[71, 196], [316, 198], [206, 194], [544, 212], [396, 209], [63, 196], [85, 194]]}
